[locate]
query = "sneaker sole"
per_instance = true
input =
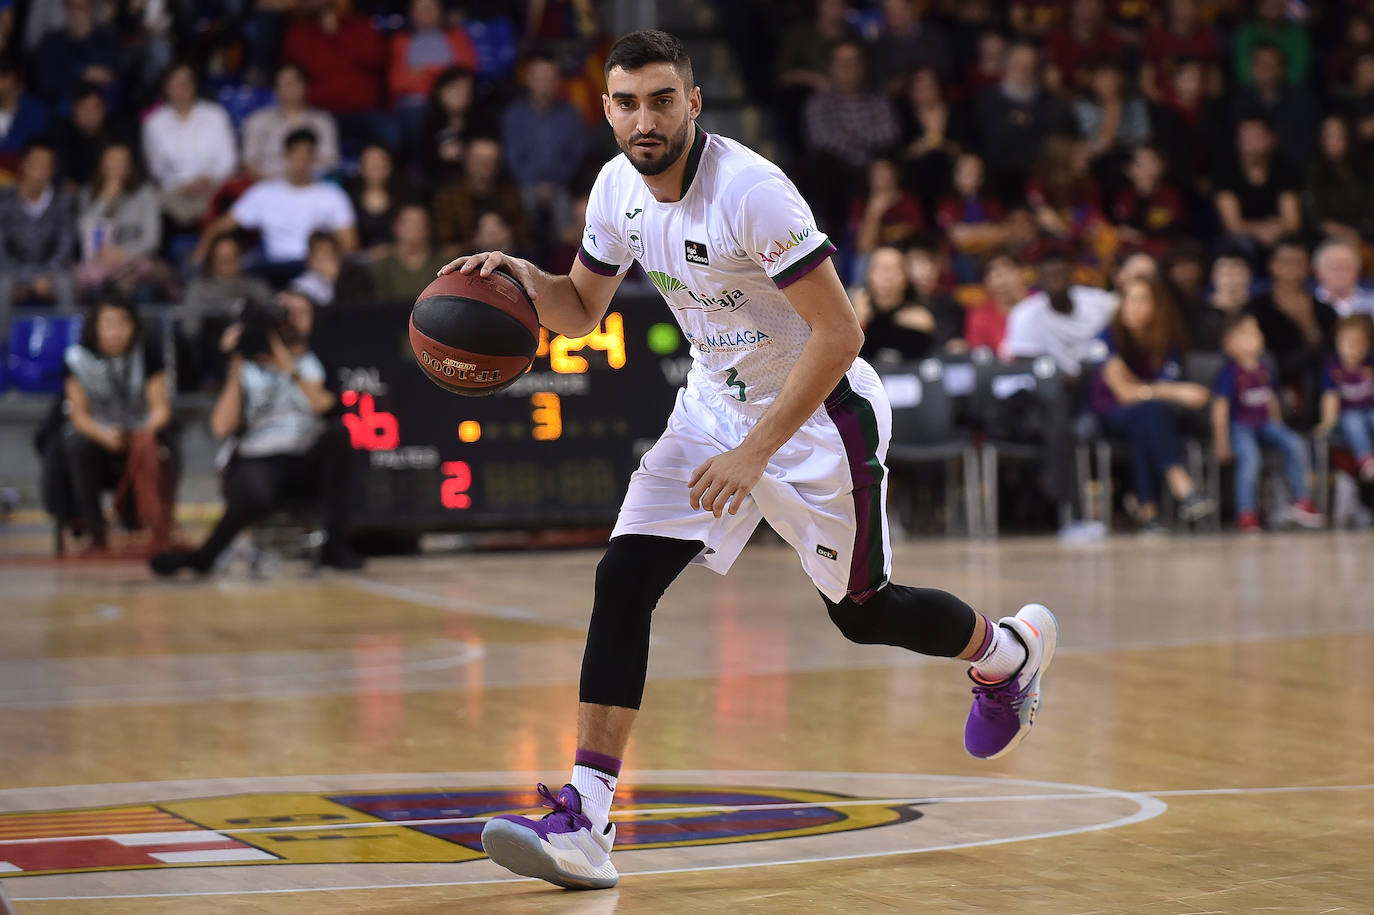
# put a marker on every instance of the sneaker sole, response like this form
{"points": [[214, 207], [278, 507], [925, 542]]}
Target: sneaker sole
{"points": [[1043, 622], [522, 852]]}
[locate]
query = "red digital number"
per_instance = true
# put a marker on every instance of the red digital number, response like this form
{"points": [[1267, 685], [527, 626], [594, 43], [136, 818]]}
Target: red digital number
{"points": [[454, 491], [370, 429]]}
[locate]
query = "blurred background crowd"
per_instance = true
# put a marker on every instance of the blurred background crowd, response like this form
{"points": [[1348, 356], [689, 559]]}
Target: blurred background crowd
{"points": [[968, 157]]}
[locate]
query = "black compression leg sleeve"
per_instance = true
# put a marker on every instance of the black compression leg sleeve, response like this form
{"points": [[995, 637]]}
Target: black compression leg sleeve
{"points": [[924, 620], [630, 579]]}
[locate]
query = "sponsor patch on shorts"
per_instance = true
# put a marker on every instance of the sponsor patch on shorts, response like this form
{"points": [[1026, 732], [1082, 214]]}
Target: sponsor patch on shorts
{"points": [[827, 552]]}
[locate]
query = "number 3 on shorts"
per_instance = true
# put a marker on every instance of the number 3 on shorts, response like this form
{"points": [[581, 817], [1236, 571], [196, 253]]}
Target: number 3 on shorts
{"points": [[732, 381]]}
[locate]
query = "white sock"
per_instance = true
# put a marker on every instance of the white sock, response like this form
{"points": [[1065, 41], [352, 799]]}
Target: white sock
{"points": [[1003, 657], [597, 789]]}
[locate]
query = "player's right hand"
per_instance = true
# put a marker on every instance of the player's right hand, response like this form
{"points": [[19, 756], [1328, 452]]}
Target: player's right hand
{"points": [[522, 270]]}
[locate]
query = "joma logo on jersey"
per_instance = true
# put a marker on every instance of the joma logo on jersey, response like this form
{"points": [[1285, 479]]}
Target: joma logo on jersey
{"points": [[780, 248], [730, 340]]}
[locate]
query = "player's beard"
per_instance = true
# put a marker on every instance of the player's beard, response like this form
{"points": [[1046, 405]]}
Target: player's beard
{"points": [[672, 149]]}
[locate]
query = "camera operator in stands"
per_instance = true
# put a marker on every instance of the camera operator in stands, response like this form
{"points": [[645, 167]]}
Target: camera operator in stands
{"points": [[273, 413], [112, 429]]}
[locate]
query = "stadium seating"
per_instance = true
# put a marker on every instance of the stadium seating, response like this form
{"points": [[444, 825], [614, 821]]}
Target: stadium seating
{"points": [[36, 347]]}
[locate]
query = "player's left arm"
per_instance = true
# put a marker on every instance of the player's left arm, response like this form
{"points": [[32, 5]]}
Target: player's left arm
{"points": [[724, 481]]}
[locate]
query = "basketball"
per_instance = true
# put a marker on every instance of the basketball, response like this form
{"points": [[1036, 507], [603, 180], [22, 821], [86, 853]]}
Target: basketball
{"points": [[474, 335]]}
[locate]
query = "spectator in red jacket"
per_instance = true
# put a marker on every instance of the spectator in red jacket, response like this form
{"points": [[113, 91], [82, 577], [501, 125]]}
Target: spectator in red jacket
{"points": [[1005, 282], [345, 60], [418, 55]]}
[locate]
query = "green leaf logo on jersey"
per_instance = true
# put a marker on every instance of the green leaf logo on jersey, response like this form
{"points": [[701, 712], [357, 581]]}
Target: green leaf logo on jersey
{"points": [[666, 283]]}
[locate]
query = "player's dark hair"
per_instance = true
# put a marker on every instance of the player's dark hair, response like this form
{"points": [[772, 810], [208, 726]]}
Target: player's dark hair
{"points": [[300, 135], [651, 46]]}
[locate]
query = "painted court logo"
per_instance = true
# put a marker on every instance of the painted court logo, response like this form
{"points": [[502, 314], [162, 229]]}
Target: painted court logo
{"points": [[399, 826], [424, 829]]}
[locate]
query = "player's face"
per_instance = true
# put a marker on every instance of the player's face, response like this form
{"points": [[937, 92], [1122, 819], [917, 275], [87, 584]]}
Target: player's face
{"points": [[651, 115]]}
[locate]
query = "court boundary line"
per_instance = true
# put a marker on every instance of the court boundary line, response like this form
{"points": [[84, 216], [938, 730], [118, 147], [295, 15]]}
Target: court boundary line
{"points": [[463, 655], [510, 612]]}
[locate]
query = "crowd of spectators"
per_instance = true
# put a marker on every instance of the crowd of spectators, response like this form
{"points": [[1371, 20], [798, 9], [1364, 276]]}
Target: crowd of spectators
{"points": [[1059, 157], [995, 174], [212, 154], [1175, 133]]}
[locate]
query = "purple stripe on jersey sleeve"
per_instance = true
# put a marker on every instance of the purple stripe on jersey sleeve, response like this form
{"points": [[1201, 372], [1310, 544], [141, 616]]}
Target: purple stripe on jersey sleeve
{"points": [[805, 265], [596, 266]]}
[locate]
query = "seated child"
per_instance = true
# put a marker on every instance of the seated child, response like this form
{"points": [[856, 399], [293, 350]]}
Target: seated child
{"points": [[1246, 415], [1348, 389]]}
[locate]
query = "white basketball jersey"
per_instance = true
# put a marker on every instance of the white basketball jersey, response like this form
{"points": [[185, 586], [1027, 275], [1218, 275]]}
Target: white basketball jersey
{"points": [[720, 256]]}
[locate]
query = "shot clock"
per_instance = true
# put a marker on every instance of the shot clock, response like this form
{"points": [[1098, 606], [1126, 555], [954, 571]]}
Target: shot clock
{"points": [[555, 448]]}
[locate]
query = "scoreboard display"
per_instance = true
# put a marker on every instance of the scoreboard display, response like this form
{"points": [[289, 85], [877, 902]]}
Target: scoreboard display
{"points": [[556, 448]]}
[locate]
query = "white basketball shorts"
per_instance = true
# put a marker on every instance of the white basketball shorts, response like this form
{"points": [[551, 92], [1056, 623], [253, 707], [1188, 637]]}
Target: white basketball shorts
{"points": [[824, 491]]}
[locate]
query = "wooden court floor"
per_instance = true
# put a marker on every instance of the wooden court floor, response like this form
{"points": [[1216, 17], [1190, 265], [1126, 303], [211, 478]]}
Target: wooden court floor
{"points": [[332, 744]]}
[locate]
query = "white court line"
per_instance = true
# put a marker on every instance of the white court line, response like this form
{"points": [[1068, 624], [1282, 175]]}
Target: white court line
{"points": [[622, 815], [455, 605]]}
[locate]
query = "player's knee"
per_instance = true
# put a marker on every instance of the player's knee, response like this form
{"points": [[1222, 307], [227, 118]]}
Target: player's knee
{"points": [[854, 622], [619, 597]]}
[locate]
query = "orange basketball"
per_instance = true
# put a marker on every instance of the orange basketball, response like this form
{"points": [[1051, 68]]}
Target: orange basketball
{"points": [[472, 334]]}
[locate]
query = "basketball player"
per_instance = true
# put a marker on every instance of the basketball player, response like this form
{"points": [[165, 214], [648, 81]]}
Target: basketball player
{"points": [[779, 420]]}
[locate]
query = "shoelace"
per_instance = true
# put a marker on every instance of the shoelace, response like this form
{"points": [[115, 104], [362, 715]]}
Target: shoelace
{"points": [[996, 700], [549, 799]]}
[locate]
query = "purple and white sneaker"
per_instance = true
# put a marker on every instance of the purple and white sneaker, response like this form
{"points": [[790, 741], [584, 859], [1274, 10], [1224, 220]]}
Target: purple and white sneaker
{"points": [[563, 848], [1003, 713]]}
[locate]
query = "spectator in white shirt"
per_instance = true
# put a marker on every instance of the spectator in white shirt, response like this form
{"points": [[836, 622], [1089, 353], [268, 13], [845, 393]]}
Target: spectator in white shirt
{"points": [[286, 210], [190, 147], [1338, 278], [1060, 320], [266, 128]]}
